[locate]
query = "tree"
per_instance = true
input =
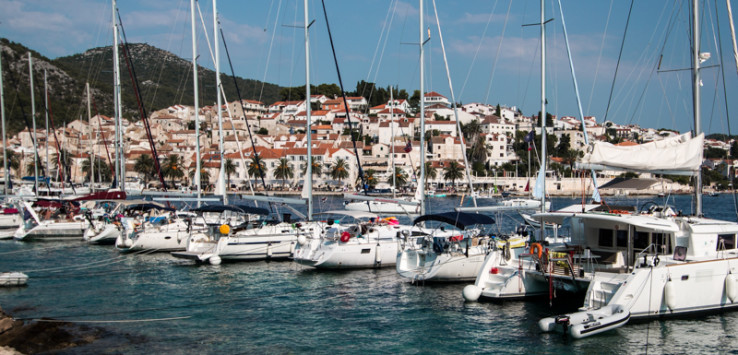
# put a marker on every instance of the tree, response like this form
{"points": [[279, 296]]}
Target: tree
{"points": [[339, 170], [733, 149], [262, 131], [317, 167], [230, 168], [13, 161], [453, 172], [172, 167], [145, 167], [204, 176], [257, 168], [102, 170], [430, 173], [715, 153], [371, 180], [283, 171], [400, 178]]}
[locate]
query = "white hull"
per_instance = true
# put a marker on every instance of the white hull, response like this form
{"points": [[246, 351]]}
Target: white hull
{"points": [[268, 242], [10, 279], [168, 237], [53, 230], [377, 247], [103, 233], [454, 266]]}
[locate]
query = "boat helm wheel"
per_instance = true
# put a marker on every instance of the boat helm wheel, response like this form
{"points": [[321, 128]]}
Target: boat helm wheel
{"points": [[649, 207]]}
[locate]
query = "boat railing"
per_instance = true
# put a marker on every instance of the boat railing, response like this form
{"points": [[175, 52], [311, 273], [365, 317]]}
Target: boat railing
{"points": [[651, 249]]}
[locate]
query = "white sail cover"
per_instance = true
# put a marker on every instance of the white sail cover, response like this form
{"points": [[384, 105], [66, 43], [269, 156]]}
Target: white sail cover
{"points": [[680, 155]]}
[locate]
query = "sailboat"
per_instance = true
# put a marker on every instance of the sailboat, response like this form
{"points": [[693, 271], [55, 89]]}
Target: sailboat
{"points": [[270, 239], [676, 265]]}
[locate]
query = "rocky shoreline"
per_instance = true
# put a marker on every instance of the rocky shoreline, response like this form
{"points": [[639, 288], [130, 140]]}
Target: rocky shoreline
{"points": [[45, 335]]}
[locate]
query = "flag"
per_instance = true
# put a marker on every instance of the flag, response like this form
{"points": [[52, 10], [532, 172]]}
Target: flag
{"points": [[530, 136], [408, 147], [539, 187], [527, 186]]}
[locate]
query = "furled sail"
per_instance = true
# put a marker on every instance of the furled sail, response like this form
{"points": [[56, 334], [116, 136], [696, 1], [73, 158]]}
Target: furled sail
{"points": [[680, 155]]}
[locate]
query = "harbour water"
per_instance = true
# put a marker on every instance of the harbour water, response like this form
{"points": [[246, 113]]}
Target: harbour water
{"points": [[155, 303]]}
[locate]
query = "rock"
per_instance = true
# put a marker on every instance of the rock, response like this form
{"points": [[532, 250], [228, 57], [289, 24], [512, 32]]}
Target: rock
{"points": [[5, 324]]}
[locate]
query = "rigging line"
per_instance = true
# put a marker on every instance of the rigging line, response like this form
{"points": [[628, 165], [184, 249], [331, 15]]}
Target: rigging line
{"points": [[248, 127], [142, 109], [59, 160], [15, 84], [345, 103], [497, 55], [163, 62], [599, 57], [269, 52], [102, 133], [479, 46], [455, 108], [620, 55], [386, 35], [725, 90]]}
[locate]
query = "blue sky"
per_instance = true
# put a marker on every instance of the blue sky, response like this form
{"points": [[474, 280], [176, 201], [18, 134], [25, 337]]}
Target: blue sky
{"points": [[492, 57]]}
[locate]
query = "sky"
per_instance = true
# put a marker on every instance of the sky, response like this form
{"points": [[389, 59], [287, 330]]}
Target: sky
{"points": [[636, 76]]}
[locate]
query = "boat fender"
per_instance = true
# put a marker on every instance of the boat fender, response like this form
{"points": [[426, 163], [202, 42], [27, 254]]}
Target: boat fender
{"points": [[670, 295], [269, 251], [731, 287], [215, 260], [345, 236], [506, 251], [377, 256], [301, 239], [471, 293], [536, 249]]}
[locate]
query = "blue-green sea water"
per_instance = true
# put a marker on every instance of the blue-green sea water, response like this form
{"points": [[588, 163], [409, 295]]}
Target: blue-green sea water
{"points": [[280, 307]]}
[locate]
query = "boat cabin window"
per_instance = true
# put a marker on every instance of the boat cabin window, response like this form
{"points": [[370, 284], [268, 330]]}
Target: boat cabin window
{"points": [[725, 241], [621, 237], [605, 238], [641, 241]]}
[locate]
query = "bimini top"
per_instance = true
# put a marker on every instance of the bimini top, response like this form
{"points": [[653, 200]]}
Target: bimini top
{"points": [[354, 214], [143, 205], [459, 219]]}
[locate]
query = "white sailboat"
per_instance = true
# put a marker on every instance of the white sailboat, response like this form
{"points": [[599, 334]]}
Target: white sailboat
{"points": [[681, 264]]}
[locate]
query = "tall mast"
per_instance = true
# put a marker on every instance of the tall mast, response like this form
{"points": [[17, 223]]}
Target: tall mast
{"points": [[309, 170], [221, 176], [46, 110], [2, 118], [392, 142], [542, 116], [33, 116], [696, 98], [197, 104], [93, 140], [421, 182], [116, 100]]}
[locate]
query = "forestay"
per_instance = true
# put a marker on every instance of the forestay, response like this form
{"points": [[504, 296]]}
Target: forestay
{"points": [[680, 155]]}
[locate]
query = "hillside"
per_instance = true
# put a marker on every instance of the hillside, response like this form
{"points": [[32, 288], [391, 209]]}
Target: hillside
{"points": [[164, 78]]}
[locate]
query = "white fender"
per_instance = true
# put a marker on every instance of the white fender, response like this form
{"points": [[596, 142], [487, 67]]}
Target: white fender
{"points": [[731, 287], [670, 296], [471, 293], [215, 260]]}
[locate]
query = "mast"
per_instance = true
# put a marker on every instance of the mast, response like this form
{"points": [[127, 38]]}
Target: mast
{"points": [[33, 116], [696, 98], [2, 118], [197, 105], [542, 117], [46, 110], [309, 170], [116, 99], [221, 176], [392, 141], [421, 181], [92, 130]]}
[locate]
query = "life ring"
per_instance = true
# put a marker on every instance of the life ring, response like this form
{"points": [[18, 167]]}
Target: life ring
{"points": [[536, 249]]}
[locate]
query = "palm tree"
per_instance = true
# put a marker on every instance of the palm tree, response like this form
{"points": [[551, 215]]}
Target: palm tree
{"points": [[66, 160], [204, 176], [102, 170], [371, 180], [453, 172], [430, 173], [230, 168], [283, 171], [400, 178], [145, 166], [317, 167], [13, 161], [257, 168], [339, 170], [172, 167]]}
